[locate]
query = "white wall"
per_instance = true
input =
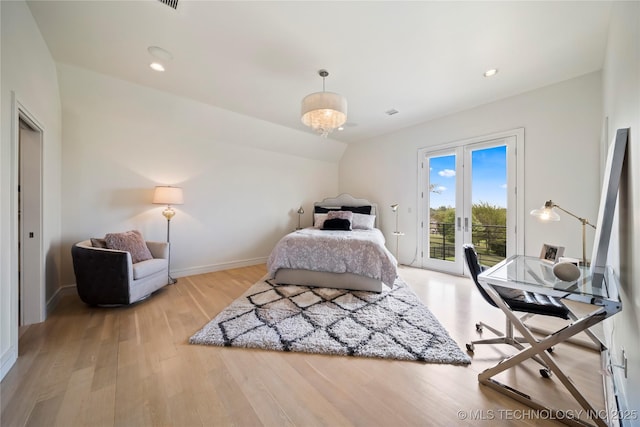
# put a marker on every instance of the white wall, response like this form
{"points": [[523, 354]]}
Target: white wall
{"points": [[622, 106], [243, 178], [562, 126], [29, 71]]}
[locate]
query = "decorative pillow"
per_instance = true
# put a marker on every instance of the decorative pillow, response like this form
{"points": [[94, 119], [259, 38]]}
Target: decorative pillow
{"points": [[340, 214], [319, 219], [97, 242], [365, 210], [320, 209], [363, 222], [130, 241], [337, 224]]}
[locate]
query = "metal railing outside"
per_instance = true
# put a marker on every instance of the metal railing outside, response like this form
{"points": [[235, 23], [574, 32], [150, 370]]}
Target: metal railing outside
{"points": [[490, 242]]}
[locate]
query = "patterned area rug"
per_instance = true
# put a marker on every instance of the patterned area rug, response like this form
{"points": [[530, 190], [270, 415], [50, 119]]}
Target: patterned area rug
{"points": [[393, 324]]}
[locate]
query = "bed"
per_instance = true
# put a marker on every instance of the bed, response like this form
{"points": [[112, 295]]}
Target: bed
{"points": [[328, 255]]}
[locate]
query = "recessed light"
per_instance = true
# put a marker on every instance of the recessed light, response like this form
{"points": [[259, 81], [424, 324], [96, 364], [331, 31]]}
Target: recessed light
{"points": [[490, 73], [156, 66], [160, 53]]}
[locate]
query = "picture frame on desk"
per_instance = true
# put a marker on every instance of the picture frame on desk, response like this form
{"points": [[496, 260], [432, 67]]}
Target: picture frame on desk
{"points": [[551, 253]]}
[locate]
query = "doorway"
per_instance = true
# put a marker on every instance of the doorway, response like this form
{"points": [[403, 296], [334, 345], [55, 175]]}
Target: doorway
{"points": [[468, 193], [30, 265]]}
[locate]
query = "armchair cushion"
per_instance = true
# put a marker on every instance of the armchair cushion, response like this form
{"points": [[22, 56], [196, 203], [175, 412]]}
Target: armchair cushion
{"points": [[129, 241], [145, 268], [159, 249]]}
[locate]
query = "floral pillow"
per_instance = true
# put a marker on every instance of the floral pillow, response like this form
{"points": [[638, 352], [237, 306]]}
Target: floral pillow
{"points": [[130, 241]]}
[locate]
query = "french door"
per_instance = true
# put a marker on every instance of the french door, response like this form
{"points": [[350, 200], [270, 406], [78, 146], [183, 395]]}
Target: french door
{"points": [[468, 194]]}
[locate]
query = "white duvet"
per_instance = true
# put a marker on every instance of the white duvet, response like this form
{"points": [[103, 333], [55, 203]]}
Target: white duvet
{"points": [[359, 252]]}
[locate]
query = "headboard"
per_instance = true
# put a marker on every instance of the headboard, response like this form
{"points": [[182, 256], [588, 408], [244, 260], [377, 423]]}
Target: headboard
{"points": [[345, 199]]}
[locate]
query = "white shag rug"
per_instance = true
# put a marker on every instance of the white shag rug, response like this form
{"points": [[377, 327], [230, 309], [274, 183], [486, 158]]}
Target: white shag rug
{"points": [[393, 324]]}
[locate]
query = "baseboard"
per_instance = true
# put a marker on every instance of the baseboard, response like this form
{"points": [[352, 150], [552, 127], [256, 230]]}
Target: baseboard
{"points": [[8, 359], [627, 415], [52, 303], [69, 289], [217, 267], [610, 401], [614, 381]]}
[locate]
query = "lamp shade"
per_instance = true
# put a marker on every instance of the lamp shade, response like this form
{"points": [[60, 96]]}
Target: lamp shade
{"points": [[546, 213], [167, 195], [324, 111]]}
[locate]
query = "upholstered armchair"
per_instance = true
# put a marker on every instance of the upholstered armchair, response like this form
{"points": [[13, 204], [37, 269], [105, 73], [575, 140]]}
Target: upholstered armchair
{"points": [[109, 277]]}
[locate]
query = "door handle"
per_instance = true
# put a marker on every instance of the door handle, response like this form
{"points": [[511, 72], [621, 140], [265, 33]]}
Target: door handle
{"points": [[459, 224], [466, 224]]}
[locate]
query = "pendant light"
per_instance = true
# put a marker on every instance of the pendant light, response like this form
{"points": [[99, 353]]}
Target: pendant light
{"points": [[324, 111]]}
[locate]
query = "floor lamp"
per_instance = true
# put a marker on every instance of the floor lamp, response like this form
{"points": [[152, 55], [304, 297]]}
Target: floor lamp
{"points": [[167, 195], [546, 213], [397, 233]]}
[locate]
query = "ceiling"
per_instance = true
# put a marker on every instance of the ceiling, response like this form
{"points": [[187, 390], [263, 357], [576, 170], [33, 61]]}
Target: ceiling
{"points": [[424, 59]]}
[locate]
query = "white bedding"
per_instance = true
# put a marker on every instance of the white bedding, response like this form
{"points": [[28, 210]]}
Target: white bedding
{"points": [[360, 252]]}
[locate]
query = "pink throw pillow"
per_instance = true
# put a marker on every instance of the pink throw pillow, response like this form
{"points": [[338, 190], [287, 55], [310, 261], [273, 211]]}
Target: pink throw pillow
{"points": [[348, 215], [130, 241]]}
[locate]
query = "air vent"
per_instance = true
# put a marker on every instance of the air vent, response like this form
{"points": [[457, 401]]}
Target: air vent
{"points": [[170, 3]]}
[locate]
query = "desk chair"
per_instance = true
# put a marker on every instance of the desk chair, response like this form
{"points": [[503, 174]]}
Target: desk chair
{"points": [[523, 301]]}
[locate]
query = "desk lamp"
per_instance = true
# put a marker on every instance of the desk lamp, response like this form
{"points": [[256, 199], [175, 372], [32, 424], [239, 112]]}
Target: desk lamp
{"points": [[546, 213]]}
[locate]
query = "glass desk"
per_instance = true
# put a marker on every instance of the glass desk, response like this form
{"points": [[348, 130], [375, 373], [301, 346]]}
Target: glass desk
{"points": [[536, 275]]}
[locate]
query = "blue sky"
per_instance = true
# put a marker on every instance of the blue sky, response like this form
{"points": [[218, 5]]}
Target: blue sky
{"points": [[488, 182]]}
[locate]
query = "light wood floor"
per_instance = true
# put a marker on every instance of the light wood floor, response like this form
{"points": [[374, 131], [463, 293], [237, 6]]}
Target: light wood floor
{"points": [[132, 366]]}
